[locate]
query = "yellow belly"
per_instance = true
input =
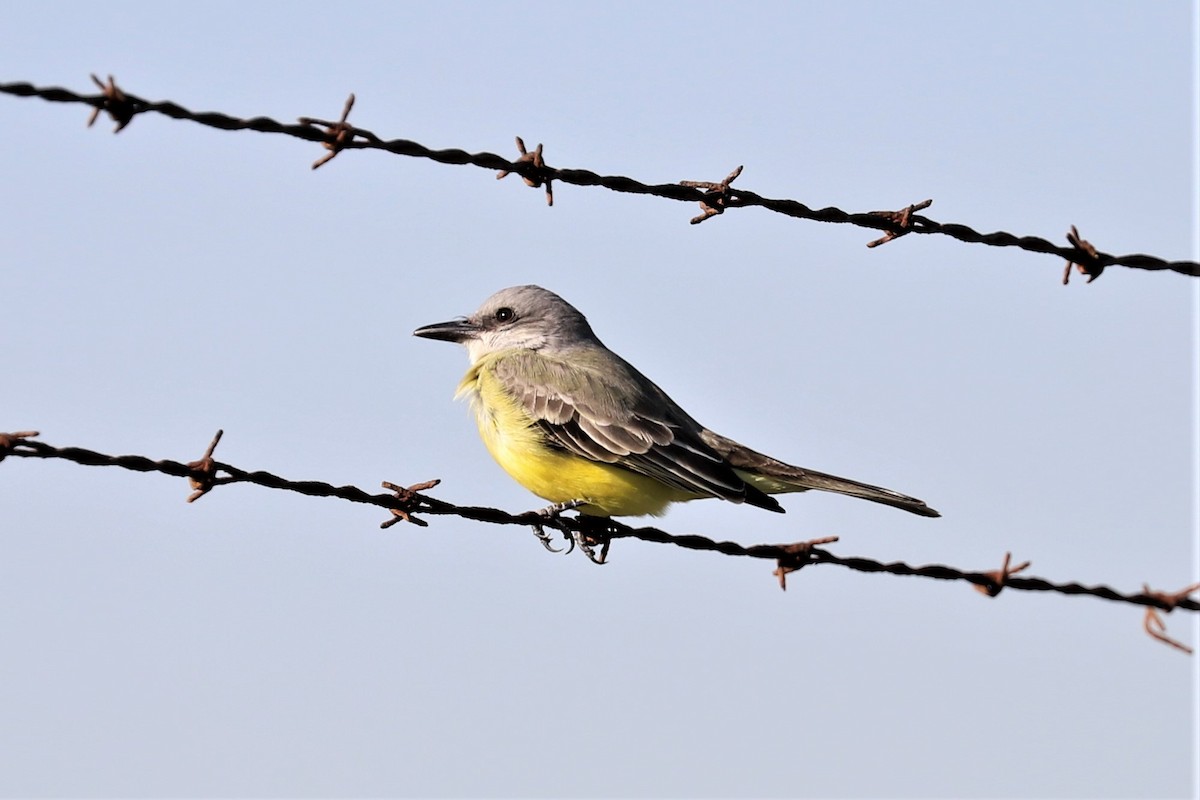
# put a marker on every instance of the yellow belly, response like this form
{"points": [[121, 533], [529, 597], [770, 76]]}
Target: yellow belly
{"points": [[519, 446]]}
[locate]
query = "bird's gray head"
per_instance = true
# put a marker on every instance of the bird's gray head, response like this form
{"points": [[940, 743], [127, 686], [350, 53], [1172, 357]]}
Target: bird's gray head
{"points": [[517, 318]]}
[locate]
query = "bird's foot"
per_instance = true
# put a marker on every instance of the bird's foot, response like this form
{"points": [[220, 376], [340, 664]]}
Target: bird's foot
{"points": [[588, 542], [551, 512], [594, 546]]}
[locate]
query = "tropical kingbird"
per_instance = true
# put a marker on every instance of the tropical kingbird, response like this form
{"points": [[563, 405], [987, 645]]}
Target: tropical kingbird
{"points": [[577, 425]]}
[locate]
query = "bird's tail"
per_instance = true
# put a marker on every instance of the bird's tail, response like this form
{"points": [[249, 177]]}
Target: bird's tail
{"points": [[775, 477]]}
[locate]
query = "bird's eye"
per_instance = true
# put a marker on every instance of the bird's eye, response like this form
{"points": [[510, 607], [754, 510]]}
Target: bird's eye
{"points": [[505, 314]]}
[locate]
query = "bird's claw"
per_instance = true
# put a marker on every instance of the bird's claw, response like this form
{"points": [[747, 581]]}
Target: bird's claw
{"points": [[585, 542], [588, 544], [546, 541], [551, 512]]}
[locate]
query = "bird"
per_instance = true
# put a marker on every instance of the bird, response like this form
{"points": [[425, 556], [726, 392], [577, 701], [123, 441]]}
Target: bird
{"points": [[579, 426]]}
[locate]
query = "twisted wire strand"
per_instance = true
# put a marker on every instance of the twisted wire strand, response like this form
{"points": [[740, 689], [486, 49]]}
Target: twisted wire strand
{"points": [[414, 502], [363, 139]]}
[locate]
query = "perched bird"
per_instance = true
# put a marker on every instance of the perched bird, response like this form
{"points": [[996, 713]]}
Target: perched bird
{"points": [[577, 425]]}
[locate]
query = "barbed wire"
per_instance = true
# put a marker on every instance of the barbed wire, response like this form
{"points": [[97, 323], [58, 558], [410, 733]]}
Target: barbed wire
{"points": [[406, 502], [713, 197]]}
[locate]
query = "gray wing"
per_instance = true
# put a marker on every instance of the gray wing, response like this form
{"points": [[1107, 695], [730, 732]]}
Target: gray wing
{"points": [[595, 405]]}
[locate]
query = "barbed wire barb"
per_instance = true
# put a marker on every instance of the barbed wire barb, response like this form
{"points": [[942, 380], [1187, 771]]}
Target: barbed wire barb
{"points": [[114, 102], [536, 172], [799, 555], [716, 196], [205, 470], [902, 218], [407, 495], [1000, 577], [1088, 260], [1154, 623], [364, 139], [337, 134], [8, 440]]}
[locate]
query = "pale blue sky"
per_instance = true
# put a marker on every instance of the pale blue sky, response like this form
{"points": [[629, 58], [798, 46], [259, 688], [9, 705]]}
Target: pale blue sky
{"points": [[175, 279]]}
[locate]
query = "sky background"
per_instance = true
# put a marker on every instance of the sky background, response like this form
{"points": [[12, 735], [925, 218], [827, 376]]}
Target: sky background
{"points": [[175, 279]]}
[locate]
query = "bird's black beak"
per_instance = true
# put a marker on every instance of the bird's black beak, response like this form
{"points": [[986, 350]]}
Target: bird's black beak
{"points": [[458, 330]]}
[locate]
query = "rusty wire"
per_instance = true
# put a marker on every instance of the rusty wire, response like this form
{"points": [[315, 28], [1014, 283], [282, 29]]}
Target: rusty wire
{"points": [[716, 195], [337, 139], [336, 133], [540, 171], [1088, 264], [405, 503]]}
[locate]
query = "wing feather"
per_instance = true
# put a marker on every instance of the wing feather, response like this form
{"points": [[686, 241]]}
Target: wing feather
{"points": [[617, 416]]}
